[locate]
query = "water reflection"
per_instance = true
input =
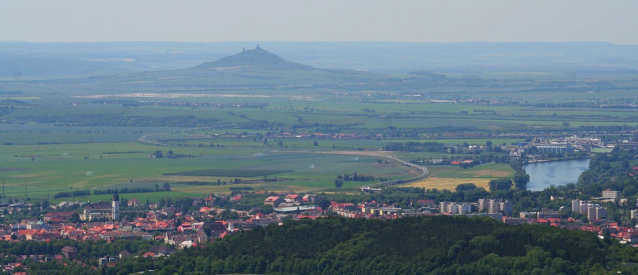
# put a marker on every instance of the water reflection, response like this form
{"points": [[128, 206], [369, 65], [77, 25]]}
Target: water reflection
{"points": [[557, 173]]}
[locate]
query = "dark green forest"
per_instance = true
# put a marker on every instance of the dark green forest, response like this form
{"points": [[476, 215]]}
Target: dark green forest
{"points": [[437, 245]]}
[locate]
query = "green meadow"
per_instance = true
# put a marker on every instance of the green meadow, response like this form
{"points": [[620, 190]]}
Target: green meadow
{"points": [[42, 170], [79, 134]]}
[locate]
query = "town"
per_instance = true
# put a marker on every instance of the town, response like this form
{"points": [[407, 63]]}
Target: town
{"points": [[170, 227]]}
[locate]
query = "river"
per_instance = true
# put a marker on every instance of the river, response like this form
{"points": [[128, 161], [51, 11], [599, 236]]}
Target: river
{"points": [[557, 173]]}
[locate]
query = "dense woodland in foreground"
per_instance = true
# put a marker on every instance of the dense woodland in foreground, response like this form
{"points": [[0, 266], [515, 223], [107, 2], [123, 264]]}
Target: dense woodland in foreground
{"points": [[439, 244]]}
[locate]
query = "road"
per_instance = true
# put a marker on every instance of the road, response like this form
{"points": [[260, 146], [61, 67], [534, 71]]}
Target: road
{"points": [[382, 154]]}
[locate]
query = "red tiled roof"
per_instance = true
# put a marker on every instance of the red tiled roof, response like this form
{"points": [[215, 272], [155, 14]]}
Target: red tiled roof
{"points": [[272, 198]]}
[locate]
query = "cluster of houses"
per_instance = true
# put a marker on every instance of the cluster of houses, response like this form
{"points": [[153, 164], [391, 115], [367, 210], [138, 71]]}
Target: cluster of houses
{"points": [[294, 203], [177, 230], [166, 225], [103, 222]]}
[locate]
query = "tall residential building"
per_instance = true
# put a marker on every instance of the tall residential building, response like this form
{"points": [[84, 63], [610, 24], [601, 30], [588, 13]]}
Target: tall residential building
{"points": [[601, 213], [453, 208], [465, 208], [591, 213], [576, 206], [443, 206], [506, 208], [596, 212], [494, 207], [483, 205], [584, 205]]}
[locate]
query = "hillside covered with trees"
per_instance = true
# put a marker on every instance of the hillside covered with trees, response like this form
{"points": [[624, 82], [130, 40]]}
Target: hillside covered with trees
{"points": [[439, 245]]}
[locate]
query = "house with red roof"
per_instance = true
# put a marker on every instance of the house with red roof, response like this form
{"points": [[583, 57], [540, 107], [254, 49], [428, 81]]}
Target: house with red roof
{"points": [[58, 217], [133, 202], [273, 201], [185, 227], [293, 198]]}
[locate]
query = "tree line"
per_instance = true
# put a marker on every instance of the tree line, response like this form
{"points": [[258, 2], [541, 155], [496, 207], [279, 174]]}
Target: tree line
{"points": [[118, 120], [166, 187], [78, 193]]}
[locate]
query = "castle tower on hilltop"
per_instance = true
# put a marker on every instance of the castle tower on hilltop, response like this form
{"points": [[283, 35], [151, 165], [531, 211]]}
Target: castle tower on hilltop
{"points": [[115, 211]]}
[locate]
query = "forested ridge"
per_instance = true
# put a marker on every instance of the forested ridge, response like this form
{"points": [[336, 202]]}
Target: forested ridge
{"points": [[426, 245], [438, 245]]}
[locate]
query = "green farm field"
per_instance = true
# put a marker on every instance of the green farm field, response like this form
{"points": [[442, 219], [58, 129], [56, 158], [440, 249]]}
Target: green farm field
{"points": [[284, 129], [42, 170]]}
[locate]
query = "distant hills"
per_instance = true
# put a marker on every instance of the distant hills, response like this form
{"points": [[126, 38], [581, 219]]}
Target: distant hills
{"points": [[257, 57], [249, 69], [18, 66], [60, 60]]}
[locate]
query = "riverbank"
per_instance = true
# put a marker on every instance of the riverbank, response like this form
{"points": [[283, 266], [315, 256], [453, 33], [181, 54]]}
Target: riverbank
{"points": [[559, 159]]}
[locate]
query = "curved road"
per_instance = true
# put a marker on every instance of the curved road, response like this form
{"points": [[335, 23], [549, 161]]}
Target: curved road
{"points": [[424, 170]]}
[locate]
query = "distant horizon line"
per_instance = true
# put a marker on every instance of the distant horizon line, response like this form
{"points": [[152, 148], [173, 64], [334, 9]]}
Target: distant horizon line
{"points": [[302, 41]]}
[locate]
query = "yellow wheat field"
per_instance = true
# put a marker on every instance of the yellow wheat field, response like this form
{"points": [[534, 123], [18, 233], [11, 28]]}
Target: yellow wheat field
{"points": [[449, 183]]}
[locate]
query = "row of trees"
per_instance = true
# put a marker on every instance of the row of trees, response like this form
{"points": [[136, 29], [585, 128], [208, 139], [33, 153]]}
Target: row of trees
{"points": [[415, 146], [70, 194], [356, 177], [77, 193], [500, 184], [521, 178], [119, 120], [165, 187], [170, 155]]}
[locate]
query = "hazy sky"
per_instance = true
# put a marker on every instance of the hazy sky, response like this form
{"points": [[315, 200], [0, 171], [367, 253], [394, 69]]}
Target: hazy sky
{"points": [[323, 20]]}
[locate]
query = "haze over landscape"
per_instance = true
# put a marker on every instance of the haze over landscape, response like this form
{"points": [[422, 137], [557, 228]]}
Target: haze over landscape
{"points": [[318, 137], [289, 20]]}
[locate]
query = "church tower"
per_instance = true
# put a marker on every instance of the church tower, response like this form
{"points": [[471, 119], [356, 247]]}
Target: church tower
{"points": [[115, 211]]}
